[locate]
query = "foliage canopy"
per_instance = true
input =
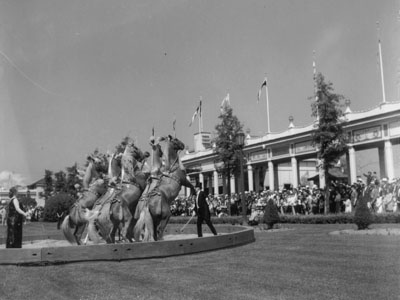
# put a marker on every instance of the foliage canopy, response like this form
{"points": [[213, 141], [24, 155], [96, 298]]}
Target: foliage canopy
{"points": [[328, 135]]}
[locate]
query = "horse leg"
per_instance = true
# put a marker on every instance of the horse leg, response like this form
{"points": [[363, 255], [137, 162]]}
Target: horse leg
{"points": [[127, 217], [111, 237], [163, 224], [79, 229], [131, 226]]}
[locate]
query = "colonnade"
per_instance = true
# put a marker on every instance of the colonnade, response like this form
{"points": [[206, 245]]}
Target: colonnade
{"points": [[252, 180]]}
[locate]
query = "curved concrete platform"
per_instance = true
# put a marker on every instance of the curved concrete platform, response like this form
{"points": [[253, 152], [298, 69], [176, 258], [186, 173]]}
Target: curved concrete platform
{"points": [[229, 236]]}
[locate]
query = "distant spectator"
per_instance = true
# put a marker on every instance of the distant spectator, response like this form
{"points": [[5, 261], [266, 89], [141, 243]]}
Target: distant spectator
{"points": [[368, 177], [347, 206]]}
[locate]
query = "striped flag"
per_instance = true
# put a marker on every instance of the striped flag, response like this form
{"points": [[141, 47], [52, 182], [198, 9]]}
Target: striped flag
{"points": [[264, 83], [196, 112], [224, 103]]}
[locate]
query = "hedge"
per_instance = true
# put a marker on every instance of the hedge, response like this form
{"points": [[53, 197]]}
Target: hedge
{"points": [[300, 219]]}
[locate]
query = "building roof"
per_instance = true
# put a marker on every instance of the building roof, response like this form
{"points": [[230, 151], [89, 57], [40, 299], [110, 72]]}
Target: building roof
{"points": [[39, 183]]}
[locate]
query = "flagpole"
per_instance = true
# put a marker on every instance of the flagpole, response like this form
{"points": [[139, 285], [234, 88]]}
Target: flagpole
{"points": [[266, 98], [381, 65], [152, 150], [174, 123], [200, 116], [315, 83]]}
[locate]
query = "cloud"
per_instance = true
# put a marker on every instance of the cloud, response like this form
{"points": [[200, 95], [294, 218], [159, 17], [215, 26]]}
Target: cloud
{"points": [[8, 179]]}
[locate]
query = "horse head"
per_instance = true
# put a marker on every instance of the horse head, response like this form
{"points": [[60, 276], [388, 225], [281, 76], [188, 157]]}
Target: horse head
{"points": [[173, 146], [99, 162], [176, 143]]}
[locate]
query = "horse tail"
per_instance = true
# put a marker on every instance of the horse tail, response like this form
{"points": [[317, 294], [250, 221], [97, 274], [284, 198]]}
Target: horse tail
{"points": [[66, 227], [91, 229], [145, 222]]}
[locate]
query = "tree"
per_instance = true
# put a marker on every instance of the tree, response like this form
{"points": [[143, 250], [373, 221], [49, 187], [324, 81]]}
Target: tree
{"points": [[226, 146], [48, 184], [120, 148], [72, 179], [60, 184], [363, 216], [328, 135], [27, 201]]}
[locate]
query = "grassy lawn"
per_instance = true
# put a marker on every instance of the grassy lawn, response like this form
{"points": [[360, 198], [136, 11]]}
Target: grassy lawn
{"points": [[303, 263]]}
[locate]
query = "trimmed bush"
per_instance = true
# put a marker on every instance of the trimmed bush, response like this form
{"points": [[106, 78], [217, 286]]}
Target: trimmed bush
{"points": [[271, 215], [363, 216]]}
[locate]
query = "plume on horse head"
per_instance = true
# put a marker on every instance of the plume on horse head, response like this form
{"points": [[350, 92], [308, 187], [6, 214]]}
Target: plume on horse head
{"points": [[155, 145]]}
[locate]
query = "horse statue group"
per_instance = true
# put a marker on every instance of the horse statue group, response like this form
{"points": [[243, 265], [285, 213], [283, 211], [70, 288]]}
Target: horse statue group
{"points": [[133, 199]]}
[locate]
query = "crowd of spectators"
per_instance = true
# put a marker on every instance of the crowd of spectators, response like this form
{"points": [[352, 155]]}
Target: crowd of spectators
{"points": [[384, 196]]}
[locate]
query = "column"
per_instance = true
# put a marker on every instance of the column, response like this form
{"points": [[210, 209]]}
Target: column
{"points": [[250, 175], [257, 179], [322, 179], [352, 165], [187, 189], [201, 180], [209, 183], [389, 163], [382, 161], [233, 188], [295, 173], [216, 186], [271, 175]]}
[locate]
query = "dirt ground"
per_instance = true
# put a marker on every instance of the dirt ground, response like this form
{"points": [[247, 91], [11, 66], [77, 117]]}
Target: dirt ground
{"points": [[64, 243]]}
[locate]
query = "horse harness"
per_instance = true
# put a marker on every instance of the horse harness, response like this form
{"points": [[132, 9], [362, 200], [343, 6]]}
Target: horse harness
{"points": [[155, 191]]}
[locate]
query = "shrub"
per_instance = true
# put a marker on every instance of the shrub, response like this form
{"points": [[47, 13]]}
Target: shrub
{"points": [[363, 216], [271, 215], [58, 202], [383, 218]]}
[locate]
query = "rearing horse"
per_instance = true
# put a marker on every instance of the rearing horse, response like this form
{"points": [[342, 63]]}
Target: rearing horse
{"points": [[94, 187], [116, 211], [76, 219], [154, 210]]}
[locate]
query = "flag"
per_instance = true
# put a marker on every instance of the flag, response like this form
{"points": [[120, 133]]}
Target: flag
{"points": [[264, 83], [173, 124], [200, 108], [196, 112], [152, 131], [224, 103]]}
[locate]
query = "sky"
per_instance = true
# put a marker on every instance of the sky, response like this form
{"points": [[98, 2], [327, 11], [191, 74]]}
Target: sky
{"points": [[79, 75]]}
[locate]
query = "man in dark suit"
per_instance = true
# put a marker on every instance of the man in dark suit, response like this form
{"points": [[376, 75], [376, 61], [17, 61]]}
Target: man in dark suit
{"points": [[202, 210]]}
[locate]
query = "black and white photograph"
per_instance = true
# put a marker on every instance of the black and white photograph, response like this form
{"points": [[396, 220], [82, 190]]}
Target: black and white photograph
{"points": [[177, 149]]}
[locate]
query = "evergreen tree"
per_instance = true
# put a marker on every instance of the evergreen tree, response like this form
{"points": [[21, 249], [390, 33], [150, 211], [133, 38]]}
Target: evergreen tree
{"points": [[328, 136], [48, 184], [226, 146], [271, 215], [363, 216], [72, 179], [60, 184]]}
